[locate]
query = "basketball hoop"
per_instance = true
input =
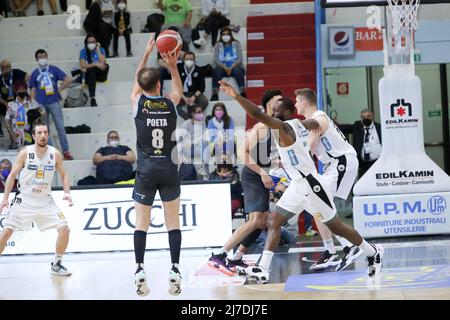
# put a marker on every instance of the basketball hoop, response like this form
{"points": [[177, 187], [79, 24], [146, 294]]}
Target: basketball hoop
{"points": [[404, 14], [402, 22]]}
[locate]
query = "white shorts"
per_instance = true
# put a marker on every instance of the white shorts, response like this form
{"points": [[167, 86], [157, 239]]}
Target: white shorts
{"points": [[45, 215], [307, 194], [339, 177]]}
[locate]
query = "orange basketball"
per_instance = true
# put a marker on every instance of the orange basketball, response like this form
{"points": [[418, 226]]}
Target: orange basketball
{"points": [[168, 41]]}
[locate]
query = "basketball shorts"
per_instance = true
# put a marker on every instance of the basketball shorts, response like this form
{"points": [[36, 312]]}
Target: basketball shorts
{"points": [[44, 213], [156, 175], [256, 196], [307, 194], [339, 177]]}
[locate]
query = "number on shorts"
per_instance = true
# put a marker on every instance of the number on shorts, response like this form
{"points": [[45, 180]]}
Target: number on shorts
{"points": [[157, 138]]}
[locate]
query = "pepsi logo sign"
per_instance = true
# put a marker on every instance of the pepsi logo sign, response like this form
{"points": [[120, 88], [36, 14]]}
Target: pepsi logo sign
{"points": [[341, 38]]}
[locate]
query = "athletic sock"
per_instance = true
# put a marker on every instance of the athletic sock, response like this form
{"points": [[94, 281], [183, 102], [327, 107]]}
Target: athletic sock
{"points": [[329, 245], [238, 255], [266, 259], [140, 240], [368, 249], [57, 258], [175, 245]]}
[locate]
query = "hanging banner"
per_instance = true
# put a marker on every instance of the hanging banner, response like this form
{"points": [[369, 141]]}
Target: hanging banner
{"points": [[103, 220]]}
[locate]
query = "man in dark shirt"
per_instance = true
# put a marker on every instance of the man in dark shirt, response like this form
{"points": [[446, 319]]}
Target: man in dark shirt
{"points": [[193, 81], [114, 162], [156, 119], [8, 78]]}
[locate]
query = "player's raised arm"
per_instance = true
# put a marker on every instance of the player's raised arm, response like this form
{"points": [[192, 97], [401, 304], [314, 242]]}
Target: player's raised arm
{"points": [[171, 59], [136, 90], [251, 109], [17, 166]]}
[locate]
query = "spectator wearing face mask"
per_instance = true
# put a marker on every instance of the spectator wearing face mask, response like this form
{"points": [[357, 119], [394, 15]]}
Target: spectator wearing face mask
{"points": [[193, 81], [5, 170], [194, 141], [44, 89], [93, 61], [221, 130], [8, 77], [366, 139], [115, 161], [17, 116], [228, 62], [122, 21]]}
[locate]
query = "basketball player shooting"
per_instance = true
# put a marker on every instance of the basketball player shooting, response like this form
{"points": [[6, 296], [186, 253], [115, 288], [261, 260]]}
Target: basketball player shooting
{"points": [[156, 119]]}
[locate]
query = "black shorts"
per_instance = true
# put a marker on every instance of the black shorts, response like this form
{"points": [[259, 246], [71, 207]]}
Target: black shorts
{"points": [[256, 196], [156, 175]]}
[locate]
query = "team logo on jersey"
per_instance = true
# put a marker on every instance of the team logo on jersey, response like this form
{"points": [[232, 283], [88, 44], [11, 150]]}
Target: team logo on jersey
{"points": [[317, 188], [152, 105], [318, 216], [61, 216], [326, 143], [157, 152], [40, 174], [293, 157], [341, 167]]}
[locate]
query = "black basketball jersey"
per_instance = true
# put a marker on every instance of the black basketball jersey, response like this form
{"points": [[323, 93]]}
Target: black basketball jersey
{"points": [[156, 121]]}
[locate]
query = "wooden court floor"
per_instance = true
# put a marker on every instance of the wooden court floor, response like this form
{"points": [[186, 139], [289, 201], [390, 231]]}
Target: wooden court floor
{"points": [[107, 276]]}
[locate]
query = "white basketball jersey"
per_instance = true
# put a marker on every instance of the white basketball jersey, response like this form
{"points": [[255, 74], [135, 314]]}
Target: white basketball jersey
{"points": [[296, 158], [36, 177], [332, 142]]}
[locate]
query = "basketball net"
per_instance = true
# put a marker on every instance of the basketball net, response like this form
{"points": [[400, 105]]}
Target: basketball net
{"points": [[402, 22]]}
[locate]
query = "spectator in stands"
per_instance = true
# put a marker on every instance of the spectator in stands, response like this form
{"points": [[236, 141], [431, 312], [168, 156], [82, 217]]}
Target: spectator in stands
{"points": [[107, 7], [19, 128], [5, 170], [221, 130], [215, 13], [93, 61], [44, 88], [194, 142], [366, 139], [5, 8], [178, 13], [8, 78], [226, 172], [193, 81], [115, 161], [228, 61], [122, 20], [94, 24], [22, 5]]}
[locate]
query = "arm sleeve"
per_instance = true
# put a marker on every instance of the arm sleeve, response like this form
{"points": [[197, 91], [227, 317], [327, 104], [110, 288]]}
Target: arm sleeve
{"points": [[32, 82], [60, 75]]}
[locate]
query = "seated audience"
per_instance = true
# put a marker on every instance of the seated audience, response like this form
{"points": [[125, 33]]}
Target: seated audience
{"points": [[115, 161]]}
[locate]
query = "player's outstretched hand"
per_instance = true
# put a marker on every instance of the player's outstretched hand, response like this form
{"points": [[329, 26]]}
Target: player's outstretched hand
{"points": [[150, 43], [3, 205], [68, 198], [171, 58], [228, 89]]}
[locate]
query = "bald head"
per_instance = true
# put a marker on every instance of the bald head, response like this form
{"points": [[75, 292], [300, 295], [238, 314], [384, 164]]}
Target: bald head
{"points": [[5, 66]]}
